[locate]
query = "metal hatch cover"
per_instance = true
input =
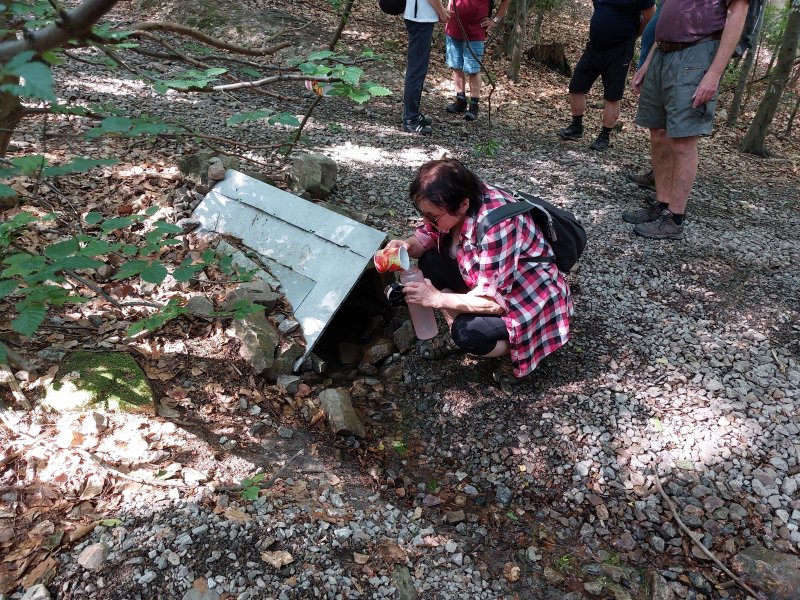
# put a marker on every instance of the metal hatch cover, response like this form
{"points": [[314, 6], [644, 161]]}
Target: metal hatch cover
{"points": [[316, 255]]}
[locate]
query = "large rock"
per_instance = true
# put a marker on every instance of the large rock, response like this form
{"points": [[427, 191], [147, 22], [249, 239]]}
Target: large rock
{"points": [[313, 173], [258, 338], [93, 557], [37, 592], [256, 291], [774, 573], [404, 337], [339, 410], [106, 380], [194, 167], [659, 588], [287, 354]]}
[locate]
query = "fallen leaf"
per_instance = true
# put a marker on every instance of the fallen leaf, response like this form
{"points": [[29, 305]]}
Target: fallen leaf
{"points": [[393, 554], [43, 572], [511, 572], [81, 531], [360, 559], [277, 559], [236, 515]]}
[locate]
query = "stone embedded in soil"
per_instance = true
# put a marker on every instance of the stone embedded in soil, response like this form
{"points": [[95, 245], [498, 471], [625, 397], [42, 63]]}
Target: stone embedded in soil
{"points": [[93, 557], [36, 592], [313, 173], [339, 411], [107, 380], [258, 338], [200, 306], [775, 573]]}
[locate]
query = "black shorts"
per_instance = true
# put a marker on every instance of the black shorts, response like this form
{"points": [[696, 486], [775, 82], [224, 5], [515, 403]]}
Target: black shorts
{"points": [[473, 333], [612, 65]]}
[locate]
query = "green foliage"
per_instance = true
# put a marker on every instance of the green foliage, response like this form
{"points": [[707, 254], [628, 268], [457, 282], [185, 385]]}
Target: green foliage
{"points": [[250, 486], [34, 282], [130, 127], [345, 79], [35, 79], [489, 149], [191, 79]]}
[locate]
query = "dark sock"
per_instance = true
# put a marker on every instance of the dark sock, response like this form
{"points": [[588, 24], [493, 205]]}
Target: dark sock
{"points": [[678, 219], [461, 95], [605, 132], [474, 100], [577, 120], [663, 205]]}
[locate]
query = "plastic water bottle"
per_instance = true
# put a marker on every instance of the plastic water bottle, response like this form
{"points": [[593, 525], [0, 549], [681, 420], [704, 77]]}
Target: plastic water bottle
{"points": [[422, 317]]}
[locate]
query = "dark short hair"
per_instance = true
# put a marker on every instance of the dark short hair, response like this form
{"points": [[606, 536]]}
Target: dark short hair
{"points": [[445, 183]]}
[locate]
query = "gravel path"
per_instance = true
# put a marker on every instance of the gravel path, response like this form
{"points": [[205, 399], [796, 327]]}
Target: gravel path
{"points": [[683, 364]]}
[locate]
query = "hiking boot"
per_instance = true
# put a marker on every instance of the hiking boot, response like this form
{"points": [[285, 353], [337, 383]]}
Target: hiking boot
{"points": [[601, 143], [643, 180], [643, 215], [425, 121], [663, 228], [573, 132], [417, 127], [459, 106], [472, 112]]}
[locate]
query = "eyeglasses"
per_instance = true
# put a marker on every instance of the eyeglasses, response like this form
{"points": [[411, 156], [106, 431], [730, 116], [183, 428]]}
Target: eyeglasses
{"points": [[432, 219]]}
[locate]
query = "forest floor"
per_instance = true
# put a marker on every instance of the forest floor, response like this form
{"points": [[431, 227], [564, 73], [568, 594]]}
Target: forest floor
{"points": [[683, 366]]}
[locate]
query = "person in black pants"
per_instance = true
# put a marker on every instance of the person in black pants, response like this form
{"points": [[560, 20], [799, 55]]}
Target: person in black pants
{"points": [[613, 30], [420, 16]]}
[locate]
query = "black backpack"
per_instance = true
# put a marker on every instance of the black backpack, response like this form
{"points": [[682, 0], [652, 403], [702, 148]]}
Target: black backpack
{"points": [[392, 7], [755, 12], [560, 227]]}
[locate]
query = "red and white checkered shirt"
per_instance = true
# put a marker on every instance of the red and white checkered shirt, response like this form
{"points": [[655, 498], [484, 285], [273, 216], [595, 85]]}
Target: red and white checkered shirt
{"points": [[535, 296]]}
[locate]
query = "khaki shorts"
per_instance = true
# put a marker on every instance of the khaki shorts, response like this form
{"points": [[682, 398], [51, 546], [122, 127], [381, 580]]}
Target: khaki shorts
{"points": [[670, 82]]}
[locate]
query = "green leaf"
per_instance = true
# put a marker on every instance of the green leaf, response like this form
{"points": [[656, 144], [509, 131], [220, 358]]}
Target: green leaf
{"points": [[321, 55], [151, 210], [184, 274], [29, 165], [93, 218], [349, 75], [36, 80], [376, 90], [3, 354], [129, 249], [137, 327], [7, 286], [62, 109], [148, 129], [110, 522], [62, 249], [129, 269], [248, 116], [6, 191], [225, 264], [166, 227], [75, 263], [284, 119], [208, 256], [250, 493], [117, 223], [77, 165], [154, 273], [29, 319], [358, 96]]}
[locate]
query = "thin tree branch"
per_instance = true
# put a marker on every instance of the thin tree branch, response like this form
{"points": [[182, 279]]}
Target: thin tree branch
{"points": [[703, 549], [117, 59], [342, 23], [74, 23], [207, 39]]}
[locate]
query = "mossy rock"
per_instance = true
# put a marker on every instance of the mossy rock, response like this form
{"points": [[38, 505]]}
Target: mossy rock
{"points": [[100, 380]]}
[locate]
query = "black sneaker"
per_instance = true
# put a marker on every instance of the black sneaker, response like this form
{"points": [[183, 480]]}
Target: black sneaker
{"points": [[417, 127], [601, 143], [459, 106], [425, 121], [472, 112], [573, 132]]}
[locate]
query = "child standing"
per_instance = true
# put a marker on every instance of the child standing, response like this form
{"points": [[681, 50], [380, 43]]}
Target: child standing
{"points": [[465, 34]]}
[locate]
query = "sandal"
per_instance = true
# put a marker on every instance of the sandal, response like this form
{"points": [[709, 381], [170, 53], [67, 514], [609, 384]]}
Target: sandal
{"points": [[506, 380], [440, 347]]}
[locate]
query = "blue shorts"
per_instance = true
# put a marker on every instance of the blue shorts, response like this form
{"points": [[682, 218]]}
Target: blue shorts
{"points": [[458, 57]]}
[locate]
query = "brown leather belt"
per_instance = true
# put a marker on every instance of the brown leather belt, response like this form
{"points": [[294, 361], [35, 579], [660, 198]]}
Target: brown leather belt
{"points": [[667, 47]]}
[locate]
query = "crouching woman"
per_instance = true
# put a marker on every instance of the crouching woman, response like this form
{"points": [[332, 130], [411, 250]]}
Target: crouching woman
{"points": [[496, 296]]}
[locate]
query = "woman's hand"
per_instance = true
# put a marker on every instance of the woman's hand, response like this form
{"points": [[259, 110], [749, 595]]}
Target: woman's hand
{"points": [[423, 294], [398, 244]]}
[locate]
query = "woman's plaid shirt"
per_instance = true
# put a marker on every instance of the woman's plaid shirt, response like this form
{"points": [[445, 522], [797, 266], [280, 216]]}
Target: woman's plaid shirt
{"points": [[535, 296]]}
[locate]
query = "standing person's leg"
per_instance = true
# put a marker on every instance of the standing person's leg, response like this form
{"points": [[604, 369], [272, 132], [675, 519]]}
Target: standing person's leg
{"points": [[473, 57], [616, 64], [586, 73], [420, 36], [454, 57], [685, 123]]}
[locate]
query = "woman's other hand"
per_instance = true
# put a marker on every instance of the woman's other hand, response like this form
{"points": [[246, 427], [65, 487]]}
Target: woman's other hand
{"points": [[423, 294]]}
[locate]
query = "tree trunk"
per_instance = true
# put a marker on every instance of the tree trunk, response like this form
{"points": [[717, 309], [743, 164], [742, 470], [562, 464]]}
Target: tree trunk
{"points": [[520, 20], [537, 25], [790, 123], [744, 74], [757, 132], [10, 106]]}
